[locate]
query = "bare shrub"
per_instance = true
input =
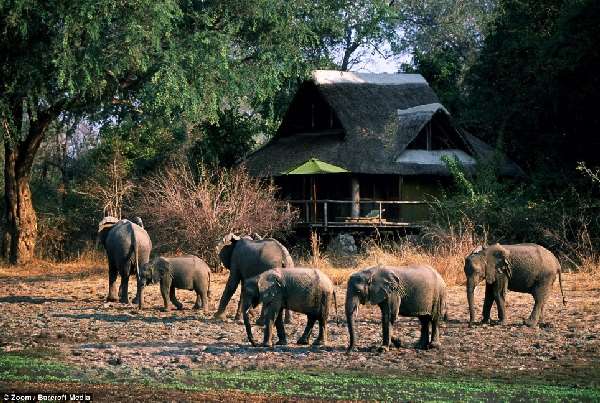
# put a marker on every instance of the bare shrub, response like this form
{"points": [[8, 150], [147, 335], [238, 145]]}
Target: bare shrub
{"points": [[188, 213], [444, 249], [110, 188]]}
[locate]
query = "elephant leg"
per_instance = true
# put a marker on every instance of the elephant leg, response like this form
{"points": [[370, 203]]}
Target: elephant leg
{"points": [[282, 339], [288, 317], [487, 303], [165, 289], [230, 287], [173, 298], [424, 340], [238, 312], [199, 301], [204, 300], [385, 324], [310, 322], [322, 337], [538, 306], [124, 289], [112, 284], [394, 308], [435, 333], [499, 297]]}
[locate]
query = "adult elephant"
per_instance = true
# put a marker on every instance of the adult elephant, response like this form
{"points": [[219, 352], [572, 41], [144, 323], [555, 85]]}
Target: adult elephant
{"points": [[414, 291], [246, 258], [128, 247], [526, 268]]}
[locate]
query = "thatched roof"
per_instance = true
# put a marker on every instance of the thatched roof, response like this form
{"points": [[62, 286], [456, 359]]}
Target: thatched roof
{"points": [[380, 115]]}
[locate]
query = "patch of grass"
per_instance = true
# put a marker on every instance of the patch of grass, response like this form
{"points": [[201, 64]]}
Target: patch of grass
{"points": [[352, 386], [33, 368], [20, 367]]}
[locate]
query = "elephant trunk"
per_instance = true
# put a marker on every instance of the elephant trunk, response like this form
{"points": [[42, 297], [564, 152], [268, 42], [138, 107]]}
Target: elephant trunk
{"points": [[470, 291], [246, 307], [351, 305]]}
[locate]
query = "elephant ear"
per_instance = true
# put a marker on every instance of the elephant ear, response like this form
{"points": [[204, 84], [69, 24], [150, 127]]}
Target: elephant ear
{"points": [[161, 268], [382, 285], [225, 255], [270, 286], [497, 263]]}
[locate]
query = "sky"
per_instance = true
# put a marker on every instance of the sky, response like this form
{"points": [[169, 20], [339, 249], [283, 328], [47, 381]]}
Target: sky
{"points": [[374, 62]]}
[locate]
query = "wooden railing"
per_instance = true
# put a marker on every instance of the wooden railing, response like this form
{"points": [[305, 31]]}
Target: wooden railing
{"points": [[312, 206]]}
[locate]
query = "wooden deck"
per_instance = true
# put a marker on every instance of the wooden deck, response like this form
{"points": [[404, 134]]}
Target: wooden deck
{"points": [[317, 214]]}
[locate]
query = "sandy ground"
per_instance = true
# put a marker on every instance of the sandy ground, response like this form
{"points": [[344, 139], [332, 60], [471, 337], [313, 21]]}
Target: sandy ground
{"points": [[65, 311]]}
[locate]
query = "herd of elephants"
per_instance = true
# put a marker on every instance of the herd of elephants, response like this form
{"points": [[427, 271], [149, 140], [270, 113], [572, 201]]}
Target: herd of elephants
{"points": [[267, 274]]}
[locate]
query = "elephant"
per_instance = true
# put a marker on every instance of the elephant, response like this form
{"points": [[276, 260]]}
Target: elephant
{"points": [[303, 290], [246, 258], [525, 268], [415, 291], [187, 272], [128, 247]]}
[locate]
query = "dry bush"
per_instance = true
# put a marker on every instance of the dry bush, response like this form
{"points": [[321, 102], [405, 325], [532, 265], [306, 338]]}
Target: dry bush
{"points": [[185, 213], [444, 250]]}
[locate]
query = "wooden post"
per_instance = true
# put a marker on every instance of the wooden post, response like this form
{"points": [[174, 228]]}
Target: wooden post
{"points": [[355, 198], [325, 213], [400, 182], [306, 211], [314, 197], [379, 212]]}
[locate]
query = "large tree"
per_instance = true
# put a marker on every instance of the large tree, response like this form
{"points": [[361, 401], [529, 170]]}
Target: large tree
{"points": [[444, 38], [114, 59], [536, 83]]}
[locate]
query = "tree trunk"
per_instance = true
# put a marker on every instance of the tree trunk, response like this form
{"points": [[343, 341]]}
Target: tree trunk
{"points": [[20, 221]]}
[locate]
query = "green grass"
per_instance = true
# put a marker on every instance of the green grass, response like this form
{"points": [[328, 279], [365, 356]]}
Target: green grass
{"points": [[41, 367], [328, 385], [34, 367]]}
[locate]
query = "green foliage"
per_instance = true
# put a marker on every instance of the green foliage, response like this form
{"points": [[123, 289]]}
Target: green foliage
{"points": [[444, 38], [533, 82], [25, 368], [359, 386], [502, 210], [225, 143]]}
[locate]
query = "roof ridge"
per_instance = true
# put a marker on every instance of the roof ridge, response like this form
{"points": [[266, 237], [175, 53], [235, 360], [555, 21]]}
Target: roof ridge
{"points": [[328, 77]]}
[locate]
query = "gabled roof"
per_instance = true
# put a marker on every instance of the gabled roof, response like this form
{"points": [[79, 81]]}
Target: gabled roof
{"points": [[381, 114]]}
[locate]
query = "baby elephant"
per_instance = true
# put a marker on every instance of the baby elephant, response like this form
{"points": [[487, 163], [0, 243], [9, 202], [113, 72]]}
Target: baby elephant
{"points": [[417, 291], [303, 290], [185, 272]]}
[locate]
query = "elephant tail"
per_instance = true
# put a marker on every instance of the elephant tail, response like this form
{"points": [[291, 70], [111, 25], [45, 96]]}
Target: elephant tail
{"points": [[209, 281], [134, 245], [442, 309], [564, 301], [337, 317]]}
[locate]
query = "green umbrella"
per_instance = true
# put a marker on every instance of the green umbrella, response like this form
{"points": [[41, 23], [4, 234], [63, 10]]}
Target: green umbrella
{"points": [[314, 166]]}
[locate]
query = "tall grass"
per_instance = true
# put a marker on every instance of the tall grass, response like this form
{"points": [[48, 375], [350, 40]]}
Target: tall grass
{"points": [[443, 250]]}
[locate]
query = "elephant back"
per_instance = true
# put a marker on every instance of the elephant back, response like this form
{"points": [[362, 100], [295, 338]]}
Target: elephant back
{"points": [[304, 288], [251, 258], [120, 246], [531, 263], [422, 291]]}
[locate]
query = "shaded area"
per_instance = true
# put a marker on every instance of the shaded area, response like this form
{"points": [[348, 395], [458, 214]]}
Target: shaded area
{"points": [[20, 299], [107, 317]]}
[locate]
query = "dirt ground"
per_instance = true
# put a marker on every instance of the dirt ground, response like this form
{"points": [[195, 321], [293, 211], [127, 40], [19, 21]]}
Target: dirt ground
{"points": [[64, 311]]}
